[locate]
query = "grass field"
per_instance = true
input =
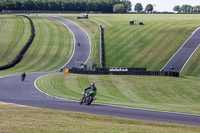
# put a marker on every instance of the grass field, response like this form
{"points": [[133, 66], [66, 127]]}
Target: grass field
{"points": [[50, 50], [14, 33], [29, 120], [149, 92], [150, 45]]}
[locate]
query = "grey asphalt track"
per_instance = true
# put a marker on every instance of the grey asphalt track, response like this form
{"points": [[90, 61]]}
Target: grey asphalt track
{"points": [[12, 90], [82, 51], [182, 56]]}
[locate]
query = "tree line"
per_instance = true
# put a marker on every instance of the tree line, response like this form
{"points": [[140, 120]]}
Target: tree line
{"points": [[187, 9], [180, 9], [64, 5], [139, 8]]}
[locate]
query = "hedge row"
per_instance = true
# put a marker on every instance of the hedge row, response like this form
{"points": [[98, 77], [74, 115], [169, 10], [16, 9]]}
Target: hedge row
{"points": [[25, 48]]}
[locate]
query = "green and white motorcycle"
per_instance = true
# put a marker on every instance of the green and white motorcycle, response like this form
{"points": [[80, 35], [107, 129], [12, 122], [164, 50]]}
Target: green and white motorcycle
{"points": [[88, 97]]}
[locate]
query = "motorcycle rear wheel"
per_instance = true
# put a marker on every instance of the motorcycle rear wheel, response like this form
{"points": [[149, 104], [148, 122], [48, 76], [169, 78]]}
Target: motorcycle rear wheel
{"points": [[89, 100]]}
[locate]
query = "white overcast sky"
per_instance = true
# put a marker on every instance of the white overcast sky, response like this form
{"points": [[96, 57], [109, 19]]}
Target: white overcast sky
{"points": [[165, 5]]}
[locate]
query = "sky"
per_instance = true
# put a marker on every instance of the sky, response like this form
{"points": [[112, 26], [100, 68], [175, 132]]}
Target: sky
{"points": [[164, 5]]}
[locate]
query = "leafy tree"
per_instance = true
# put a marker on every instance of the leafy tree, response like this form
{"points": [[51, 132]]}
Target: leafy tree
{"points": [[149, 8], [186, 8], [119, 8], [177, 8], [138, 7], [127, 5], [196, 9]]}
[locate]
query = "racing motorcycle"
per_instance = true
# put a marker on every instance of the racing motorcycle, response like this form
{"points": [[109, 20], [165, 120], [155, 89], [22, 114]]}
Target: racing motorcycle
{"points": [[23, 76], [88, 97]]}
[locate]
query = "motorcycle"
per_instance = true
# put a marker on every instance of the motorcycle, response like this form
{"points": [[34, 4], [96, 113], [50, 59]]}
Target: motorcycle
{"points": [[88, 97], [23, 76]]}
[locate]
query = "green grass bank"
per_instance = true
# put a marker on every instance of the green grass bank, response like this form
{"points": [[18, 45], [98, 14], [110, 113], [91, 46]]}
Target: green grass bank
{"points": [[148, 92]]}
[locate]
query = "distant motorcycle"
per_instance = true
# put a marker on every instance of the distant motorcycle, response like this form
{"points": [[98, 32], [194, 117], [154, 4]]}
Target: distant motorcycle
{"points": [[23, 76], [172, 66], [88, 97]]}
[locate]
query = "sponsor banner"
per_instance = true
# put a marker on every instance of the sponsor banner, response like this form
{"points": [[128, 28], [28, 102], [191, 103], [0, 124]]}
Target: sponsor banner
{"points": [[118, 69]]}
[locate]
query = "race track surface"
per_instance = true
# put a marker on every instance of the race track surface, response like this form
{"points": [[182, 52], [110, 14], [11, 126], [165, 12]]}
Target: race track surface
{"points": [[182, 56], [82, 51], [12, 90]]}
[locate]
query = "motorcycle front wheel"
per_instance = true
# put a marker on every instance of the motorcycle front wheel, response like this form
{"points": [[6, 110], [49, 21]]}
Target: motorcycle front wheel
{"points": [[81, 101]]}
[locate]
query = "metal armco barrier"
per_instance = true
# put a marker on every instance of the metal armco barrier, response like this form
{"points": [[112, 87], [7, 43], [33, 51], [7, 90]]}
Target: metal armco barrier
{"points": [[25, 48], [124, 71]]}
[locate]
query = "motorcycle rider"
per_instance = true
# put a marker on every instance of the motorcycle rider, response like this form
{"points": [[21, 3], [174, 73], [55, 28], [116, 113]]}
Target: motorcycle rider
{"points": [[92, 87], [23, 76], [172, 66]]}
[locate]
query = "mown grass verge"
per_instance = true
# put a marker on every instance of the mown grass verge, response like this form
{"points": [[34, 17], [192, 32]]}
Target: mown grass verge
{"points": [[32, 120], [149, 92]]}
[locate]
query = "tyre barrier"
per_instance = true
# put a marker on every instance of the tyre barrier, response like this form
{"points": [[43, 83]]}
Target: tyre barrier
{"points": [[124, 71], [102, 52], [25, 48]]}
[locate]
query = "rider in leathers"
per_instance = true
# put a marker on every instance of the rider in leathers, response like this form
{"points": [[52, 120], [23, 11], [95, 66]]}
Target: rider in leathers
{"points": [[92, 87]]}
